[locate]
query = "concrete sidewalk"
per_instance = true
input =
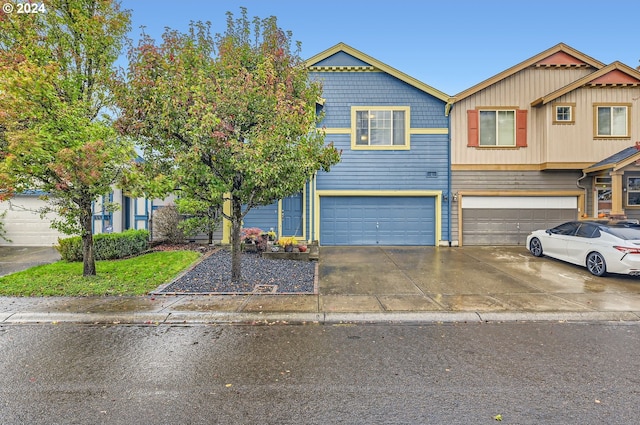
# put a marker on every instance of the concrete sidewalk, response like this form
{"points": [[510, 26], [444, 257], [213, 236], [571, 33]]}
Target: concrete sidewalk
{"points": [[376, 284]]}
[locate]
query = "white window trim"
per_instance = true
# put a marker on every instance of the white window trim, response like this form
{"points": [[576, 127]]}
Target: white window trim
{"points": [[407, 121], [596, 131], [572, 112], [496, 110]]}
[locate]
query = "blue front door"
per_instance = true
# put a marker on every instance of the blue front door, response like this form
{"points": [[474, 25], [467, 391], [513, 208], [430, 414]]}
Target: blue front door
{"points": [[292, 215]]}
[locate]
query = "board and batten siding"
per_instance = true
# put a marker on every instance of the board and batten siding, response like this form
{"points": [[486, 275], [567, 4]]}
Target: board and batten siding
{"points": [[576, 141], [518, 90], [511, 183]]}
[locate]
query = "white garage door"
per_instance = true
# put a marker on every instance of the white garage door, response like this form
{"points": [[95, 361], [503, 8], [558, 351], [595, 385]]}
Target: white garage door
{"points": [[23, 224], [507, 220]]}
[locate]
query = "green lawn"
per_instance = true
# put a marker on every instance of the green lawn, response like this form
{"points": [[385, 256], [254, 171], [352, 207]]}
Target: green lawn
{"points": [[133, 276]]}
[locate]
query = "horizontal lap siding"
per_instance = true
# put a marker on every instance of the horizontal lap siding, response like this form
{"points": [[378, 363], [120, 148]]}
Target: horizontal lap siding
{"points": [[515, 180], [265, 217], [424, 167], [342, 90], [362, 173]]}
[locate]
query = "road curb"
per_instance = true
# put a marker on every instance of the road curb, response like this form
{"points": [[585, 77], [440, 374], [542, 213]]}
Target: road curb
{"points": [[329, 318]]}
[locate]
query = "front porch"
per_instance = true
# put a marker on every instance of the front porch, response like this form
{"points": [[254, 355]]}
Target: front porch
{"points": [[612, 186]]}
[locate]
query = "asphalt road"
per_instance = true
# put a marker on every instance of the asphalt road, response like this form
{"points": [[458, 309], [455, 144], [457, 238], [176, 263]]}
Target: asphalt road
{"points": [[529, 373]]}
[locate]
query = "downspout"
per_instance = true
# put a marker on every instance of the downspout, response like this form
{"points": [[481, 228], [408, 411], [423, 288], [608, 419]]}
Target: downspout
{"points": [[448, 108], [585, 192]]}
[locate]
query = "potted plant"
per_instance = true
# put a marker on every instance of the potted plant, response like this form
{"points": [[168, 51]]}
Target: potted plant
{"points": [[250, 234], [288, 243]]}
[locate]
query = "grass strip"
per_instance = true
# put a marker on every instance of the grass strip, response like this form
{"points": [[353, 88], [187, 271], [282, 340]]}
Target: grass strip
{"points": [[132, 276]]}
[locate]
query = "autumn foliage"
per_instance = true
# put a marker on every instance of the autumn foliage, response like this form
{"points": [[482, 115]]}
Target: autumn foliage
{"points": [[230, 117], [55, 138]]}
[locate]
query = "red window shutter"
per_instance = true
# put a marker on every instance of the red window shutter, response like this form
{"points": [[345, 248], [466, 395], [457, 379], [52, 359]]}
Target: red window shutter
{"points": [[521, 128], [472, 128]]}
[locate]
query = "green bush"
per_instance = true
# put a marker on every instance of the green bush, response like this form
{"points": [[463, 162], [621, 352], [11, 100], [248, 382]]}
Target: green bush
{"points": [[108, 246], [70, 248]]}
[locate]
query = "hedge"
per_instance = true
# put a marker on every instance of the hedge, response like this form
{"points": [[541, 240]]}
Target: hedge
{"points": [[107, 246]]}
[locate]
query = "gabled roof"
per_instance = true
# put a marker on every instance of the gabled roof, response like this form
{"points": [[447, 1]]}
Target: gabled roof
{"points": [[366, 61], [615, 75], [616, 161], [559, 55]]}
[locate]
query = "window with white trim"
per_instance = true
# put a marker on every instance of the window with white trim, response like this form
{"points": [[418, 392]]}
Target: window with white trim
{"points": [[612, 120], [380, 128], [563, 113], [497, 128]]}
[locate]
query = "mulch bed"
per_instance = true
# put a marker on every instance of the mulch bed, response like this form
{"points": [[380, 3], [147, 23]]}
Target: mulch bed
{"points": [[212, 275]]}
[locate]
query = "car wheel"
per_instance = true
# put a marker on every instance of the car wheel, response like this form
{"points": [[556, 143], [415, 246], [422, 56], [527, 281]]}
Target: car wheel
{"points": [[596, 264], [535, 246]]}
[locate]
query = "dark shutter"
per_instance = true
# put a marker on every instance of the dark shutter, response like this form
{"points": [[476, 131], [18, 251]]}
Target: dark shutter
{"points": [[472, 128], [521, 128]]}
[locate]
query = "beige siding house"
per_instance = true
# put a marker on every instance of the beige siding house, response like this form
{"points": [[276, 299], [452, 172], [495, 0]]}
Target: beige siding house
{"points": [[528, 145]]}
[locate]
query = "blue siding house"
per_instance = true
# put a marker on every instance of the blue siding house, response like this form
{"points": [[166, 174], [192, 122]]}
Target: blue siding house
{"points": [[392, 184]]}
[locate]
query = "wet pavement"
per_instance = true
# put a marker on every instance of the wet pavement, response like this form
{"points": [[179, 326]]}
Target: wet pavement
{"points": [[13, 259], [378, 284]]}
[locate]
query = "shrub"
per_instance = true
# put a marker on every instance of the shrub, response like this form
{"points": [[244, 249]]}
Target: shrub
{"points": [[250, 234], [108, 246], [3, 231], [166, 225], [70, 248]]}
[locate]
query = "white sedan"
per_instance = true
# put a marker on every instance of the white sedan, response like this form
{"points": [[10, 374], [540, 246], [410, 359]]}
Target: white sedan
{"points": [[600, 247]]}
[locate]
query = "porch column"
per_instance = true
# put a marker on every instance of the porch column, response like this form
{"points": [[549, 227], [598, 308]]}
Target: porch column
{"points": [[616, 195], [226, 224]]}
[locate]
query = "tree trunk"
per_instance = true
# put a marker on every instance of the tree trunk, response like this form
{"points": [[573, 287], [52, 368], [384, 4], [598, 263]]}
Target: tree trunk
{"points": [[88, 255], [211, 220], [236, 248]]}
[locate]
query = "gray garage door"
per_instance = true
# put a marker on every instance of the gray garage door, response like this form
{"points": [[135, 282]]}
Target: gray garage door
{"points": [[377, 220], [507, 225]]}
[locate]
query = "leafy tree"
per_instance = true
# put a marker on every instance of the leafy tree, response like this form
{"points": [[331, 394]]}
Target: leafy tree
{"points": [[55, 69], [199, 216], [230, 116]]}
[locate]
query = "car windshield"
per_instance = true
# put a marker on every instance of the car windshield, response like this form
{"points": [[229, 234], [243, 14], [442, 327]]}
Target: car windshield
{"points": [[627, 233]]}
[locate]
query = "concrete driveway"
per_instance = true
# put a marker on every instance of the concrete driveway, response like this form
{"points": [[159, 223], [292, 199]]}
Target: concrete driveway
{"points": [[465, 279], [370, 284], [16, 258]]}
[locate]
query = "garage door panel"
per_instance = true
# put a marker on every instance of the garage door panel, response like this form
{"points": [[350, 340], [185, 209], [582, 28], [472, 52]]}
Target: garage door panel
{"points": [[25, 226], [510, 226], [366, 220]]}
